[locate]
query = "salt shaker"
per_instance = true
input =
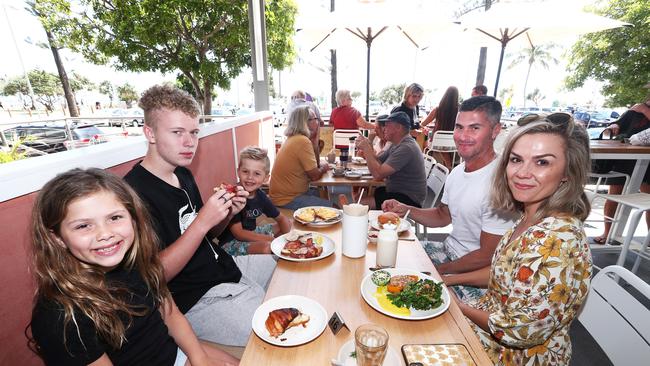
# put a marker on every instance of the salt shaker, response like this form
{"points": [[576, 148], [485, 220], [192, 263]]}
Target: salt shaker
{"points": [[387, 248]]}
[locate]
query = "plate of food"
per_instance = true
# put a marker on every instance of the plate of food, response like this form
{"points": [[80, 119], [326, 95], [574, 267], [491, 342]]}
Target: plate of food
{"points": [[359, 160], [353, 174], [317, 216], [302, 246], [405, 294], [289, 320], [390, 220], [347, 355]]}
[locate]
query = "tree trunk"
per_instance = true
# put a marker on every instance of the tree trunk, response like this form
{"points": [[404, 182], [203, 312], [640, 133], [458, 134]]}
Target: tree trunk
{"points": [[530, 66], [207, 97], [67, 91]]}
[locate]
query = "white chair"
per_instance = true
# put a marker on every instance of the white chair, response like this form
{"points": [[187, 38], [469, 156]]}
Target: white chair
{"points": [[639, 203], [341, 138], [429, 162], [592, 194], [618, 322], [443, 142], [435, 184]]}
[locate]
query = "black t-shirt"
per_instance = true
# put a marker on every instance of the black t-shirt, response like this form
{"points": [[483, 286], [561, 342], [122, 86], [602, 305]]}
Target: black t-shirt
{"points": [[172, 210], [147, 338], [255, 207], [411, 112]]}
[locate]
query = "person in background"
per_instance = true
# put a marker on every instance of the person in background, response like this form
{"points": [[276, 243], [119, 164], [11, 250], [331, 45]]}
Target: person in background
{"points": [[444, 116], [476, 226], [380, 144], [401, 166], [295, 165], [633, 121], [298, 99], [479, 90], [217, 293], [243, 235], [101, 296], [345, 116], [412, 95], [541, 270]]}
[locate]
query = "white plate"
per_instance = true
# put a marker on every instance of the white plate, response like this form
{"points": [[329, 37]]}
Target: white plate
{"points": [[404, 225], [353, 175], [359, 160], [328, 247], [318, 222], [368, 288], [392, 358], [294, 335]]}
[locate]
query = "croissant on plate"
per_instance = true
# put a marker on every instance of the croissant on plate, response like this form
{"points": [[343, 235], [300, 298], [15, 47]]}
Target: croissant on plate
{"points": [[280, 320]]}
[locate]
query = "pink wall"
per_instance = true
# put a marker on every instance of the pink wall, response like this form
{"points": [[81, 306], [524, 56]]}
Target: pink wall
{"points": [[213, 164]]}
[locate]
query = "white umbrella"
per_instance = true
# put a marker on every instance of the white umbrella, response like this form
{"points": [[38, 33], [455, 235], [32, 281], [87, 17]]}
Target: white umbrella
{"points": [[534, 23], [368, 21]]}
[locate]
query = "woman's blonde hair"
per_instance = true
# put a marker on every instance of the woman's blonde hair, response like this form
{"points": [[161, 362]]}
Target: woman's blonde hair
{"points": [[297, 123], [569, 198], [414, 88], [342, 95], [81, 287]]}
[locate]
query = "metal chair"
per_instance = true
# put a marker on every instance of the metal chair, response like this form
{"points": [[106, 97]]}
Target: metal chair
{"points": [[592, 195], [435, 184], [618, 321], [429, 162], [341, 138]]}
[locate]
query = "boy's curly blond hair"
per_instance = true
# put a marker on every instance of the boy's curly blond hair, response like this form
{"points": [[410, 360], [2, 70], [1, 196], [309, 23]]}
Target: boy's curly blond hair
{"points": [[167, 97]]}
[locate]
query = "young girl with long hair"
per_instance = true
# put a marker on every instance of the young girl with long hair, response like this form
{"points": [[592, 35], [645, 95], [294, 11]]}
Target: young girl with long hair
{"points": [[101, 298]]}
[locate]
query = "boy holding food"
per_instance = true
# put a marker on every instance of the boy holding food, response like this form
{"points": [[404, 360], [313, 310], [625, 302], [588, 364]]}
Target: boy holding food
{"points": [[243, 235]]}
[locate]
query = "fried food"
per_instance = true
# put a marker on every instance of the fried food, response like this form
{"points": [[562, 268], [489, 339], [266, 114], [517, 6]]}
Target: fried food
{"points": [[280, 320], [301, 245], [326, 213], [307, 215], [310, 214], [388, 218]]}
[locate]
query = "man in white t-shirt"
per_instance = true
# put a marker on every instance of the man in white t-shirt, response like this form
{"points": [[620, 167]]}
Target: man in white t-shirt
{"points": [[476, 227]]}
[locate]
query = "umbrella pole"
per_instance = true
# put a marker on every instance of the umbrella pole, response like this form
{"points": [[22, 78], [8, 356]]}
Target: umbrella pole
{"points": [[368, 43], [496, 83]]}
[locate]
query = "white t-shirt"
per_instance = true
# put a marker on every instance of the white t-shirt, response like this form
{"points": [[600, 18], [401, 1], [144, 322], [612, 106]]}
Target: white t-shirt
{"points": [[468, 197]]}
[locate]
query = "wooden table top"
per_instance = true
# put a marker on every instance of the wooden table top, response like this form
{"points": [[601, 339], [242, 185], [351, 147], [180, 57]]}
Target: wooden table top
{"points": [[334, 282], [328, 179], [617, 147]]}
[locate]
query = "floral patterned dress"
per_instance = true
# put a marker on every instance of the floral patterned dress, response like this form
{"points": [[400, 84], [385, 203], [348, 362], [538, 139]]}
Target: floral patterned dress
{"points": [[537, 284]]}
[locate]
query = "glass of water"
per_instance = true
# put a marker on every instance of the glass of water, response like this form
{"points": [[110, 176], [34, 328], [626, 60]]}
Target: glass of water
{"points": [[371, 343]]}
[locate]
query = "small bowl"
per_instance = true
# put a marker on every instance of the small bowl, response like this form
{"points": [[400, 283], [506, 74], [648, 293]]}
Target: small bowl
{"points": [[372, 236], [353, 175]]}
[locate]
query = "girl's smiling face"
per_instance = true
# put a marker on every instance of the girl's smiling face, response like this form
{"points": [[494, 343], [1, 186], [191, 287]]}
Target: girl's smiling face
{"points": [[536, 168], [97, 230]]}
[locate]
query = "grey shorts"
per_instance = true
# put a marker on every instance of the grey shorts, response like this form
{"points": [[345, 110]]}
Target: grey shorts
{"points": [[224, 314]]}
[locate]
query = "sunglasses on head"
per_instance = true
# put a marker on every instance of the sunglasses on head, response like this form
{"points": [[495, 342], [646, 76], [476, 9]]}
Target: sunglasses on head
{"points": [[557, 118]]}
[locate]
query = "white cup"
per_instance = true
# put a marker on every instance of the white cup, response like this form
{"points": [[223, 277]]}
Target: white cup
{"points": [[355, 235], [387, 248]]}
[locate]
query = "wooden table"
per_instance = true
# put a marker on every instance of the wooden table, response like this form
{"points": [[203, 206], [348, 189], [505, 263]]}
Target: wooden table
{"points": [[616, 150], [334, 282]]}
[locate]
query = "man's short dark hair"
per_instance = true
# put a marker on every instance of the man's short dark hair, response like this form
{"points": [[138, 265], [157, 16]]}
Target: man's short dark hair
{"points": [[483, 103]]}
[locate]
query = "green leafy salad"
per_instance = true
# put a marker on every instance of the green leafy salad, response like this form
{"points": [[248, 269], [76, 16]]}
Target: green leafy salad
{"points": [[420, 295]]}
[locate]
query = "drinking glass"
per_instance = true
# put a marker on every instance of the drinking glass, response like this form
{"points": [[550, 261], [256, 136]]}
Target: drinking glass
{"points": [[370, 344]]}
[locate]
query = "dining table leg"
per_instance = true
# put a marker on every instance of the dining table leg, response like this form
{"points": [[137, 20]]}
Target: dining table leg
{"points": [[636, 179]]}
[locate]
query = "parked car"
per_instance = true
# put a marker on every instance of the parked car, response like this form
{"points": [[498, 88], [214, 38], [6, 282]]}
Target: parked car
{"points": [[51, 138], [129, 117], [603, 118]]}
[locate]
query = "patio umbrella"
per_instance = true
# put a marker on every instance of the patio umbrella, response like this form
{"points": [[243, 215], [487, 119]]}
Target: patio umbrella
{"points": [[534, 23], [366, 22]]}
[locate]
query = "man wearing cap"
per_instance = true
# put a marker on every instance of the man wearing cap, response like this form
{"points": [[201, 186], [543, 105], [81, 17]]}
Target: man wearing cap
{"points": [[401, 166]]}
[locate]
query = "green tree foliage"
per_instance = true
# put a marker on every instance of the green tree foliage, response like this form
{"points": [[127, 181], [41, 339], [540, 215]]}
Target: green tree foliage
{"points": [[46, 86], [619, 57], [128, 94], [536, 96], [206, 40], [392, 94], [540, 55], [107, 88]]}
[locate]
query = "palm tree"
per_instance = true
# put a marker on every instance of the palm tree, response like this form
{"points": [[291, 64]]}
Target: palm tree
{"points": [[540, 55]]}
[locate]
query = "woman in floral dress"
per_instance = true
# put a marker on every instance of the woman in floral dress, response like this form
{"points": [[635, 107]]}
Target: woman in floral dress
{"points": [[541, 269]]}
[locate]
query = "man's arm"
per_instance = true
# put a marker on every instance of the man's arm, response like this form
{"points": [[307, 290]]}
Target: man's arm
{"points": [[642, 108], [429, 217], [477, 259], [175, 256], [378, 169]]}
